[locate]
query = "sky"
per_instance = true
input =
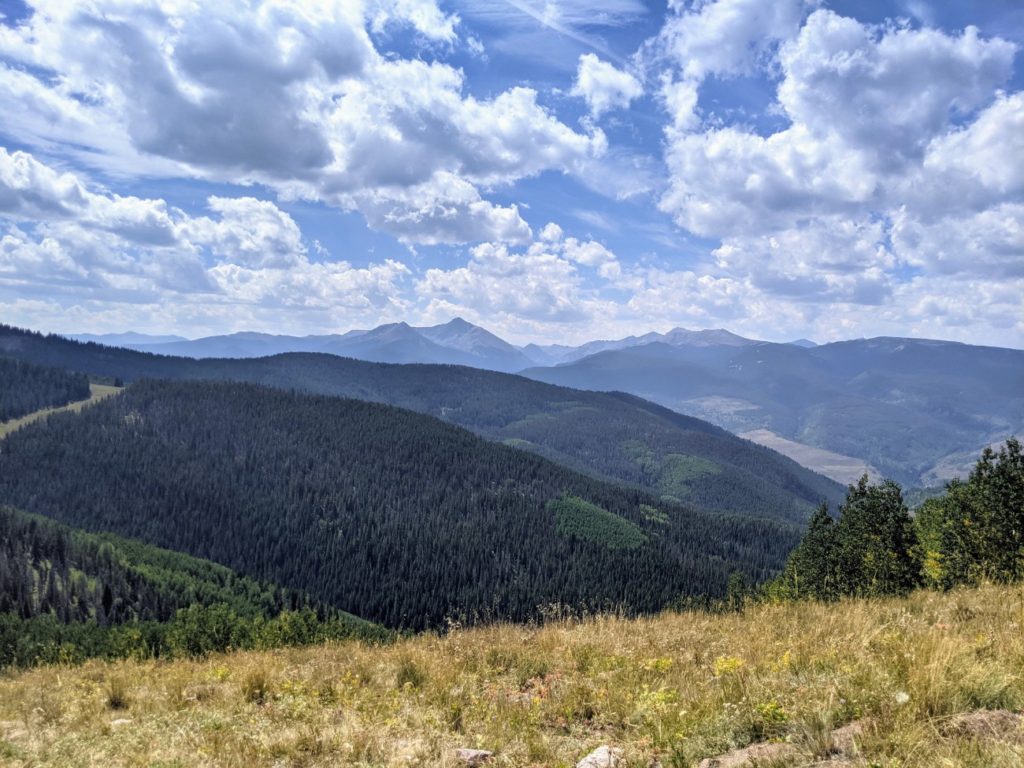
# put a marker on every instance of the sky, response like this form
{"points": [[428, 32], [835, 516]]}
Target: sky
{"points": [[554, 171]]}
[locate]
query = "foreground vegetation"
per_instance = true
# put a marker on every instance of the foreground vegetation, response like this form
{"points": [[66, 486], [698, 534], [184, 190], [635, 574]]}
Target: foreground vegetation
{"points": [[673, 688]]}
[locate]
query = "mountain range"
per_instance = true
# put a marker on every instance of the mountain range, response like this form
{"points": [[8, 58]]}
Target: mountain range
{"points": [[456, 342], [916, 410], [614, 436]]}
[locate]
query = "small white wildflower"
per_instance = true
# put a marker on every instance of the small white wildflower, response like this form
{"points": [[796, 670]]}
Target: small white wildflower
{"points": [[902, 697]]}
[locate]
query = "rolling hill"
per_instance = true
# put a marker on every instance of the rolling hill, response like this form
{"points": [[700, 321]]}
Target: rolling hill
{"points": [[902, 406], [614, 436], [391, 515]]}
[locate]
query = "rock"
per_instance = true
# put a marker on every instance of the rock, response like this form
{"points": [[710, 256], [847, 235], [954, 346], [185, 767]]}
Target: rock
{"points": [[749, 756], [602, 757], [998, 724], [843, 743], [120, 722], [844, 740], [474, 757]]}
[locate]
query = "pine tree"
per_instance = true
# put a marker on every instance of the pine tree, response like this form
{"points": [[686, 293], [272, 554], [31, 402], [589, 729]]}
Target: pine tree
{"points": [[811, 569], [877, 550]]}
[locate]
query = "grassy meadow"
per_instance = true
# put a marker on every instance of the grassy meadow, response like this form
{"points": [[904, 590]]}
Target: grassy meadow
{"points": [[670, 690], [97, 392]]}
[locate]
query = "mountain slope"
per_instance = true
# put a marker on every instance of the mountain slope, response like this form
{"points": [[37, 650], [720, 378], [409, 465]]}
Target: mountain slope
{"points": [[614, 436], [930, 680], [485, 349], [391, 515], [25, 388], [454, 343], [49, 568], [554, 354], [901, 405]]}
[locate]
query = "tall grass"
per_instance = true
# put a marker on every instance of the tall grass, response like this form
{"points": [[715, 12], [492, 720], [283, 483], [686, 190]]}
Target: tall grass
{"points": [[673, 688]]}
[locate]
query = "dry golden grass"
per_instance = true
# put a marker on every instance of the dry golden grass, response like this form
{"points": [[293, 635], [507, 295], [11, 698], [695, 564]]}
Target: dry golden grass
{"points": [[97, 392], [673, 688]]}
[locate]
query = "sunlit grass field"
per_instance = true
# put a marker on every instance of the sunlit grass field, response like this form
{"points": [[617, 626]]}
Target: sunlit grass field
{"points": [[668, 690], [97, 392]]}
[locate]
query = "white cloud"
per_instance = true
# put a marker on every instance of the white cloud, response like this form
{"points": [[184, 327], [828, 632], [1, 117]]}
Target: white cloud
{"points": [[604, 87], [290, 94], [987, 244], [888, 94], [902, 165], [984, 160], [445, 209], [727, 37], [248, 232], [543, 281], [85, 242], [717, 37], [831, 259]]}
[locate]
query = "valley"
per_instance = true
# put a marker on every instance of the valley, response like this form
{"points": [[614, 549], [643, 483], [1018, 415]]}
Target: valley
{"points": [[511, 384], [915, 410]]}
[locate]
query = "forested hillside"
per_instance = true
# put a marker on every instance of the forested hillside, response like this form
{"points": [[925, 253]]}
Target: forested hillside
{"points": [[612, 435], [49, 568], [917, 410], [25, 388], [66, 595], [391, 515]]}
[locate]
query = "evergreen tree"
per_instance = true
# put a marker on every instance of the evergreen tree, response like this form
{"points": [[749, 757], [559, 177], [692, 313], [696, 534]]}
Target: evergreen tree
{"points": [[876, 545], [811, 569], [976, 529]]}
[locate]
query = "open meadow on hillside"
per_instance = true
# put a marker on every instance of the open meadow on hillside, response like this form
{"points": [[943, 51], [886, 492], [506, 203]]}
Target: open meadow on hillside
{"points": [[887, 682]]}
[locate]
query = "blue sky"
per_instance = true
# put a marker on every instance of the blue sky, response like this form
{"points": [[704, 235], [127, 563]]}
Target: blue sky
{"points": [[556, 171]]}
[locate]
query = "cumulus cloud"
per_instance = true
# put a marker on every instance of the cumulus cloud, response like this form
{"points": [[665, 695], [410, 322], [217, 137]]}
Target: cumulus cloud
{"points": [[541, 282], [717, 37], [901, 157], [292, 95], [66, 237], [445, 209], [604, 87], [886, 95]]}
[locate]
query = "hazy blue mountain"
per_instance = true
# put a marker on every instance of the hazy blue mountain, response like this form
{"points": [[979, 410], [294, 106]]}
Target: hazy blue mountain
{"points": [[454, 343], [804, 343], [903, 406], [615, 436], [124, 339], [484, 348], [243, 344], [554, 354]]}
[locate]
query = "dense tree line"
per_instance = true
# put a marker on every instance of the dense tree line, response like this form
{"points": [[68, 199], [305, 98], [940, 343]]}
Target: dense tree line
{"points": [[973, 531], [606, 434], [192, 632], [391, 515], [49, 568], [67, 595], [25, 388]]}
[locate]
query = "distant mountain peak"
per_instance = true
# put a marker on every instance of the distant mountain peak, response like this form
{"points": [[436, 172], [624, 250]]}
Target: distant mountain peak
{"points": [[459, 323], [805, 343]]}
